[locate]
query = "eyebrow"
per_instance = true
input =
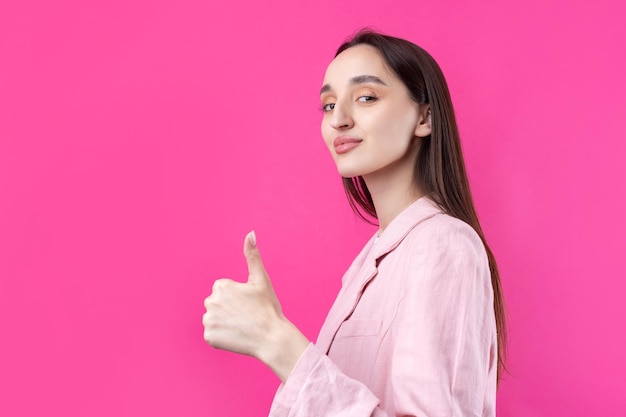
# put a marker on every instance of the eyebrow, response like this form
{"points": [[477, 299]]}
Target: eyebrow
{"points": [[359, 79]]}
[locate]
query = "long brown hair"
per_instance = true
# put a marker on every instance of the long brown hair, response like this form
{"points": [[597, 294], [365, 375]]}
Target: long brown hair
{"points": [[439, 166]]}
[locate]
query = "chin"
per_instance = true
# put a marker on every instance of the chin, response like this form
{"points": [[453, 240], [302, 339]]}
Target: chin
{"points": [[350, 166], [349, 172]]}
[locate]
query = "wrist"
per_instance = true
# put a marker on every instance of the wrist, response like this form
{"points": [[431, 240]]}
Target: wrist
{"points": [[285, 344]]}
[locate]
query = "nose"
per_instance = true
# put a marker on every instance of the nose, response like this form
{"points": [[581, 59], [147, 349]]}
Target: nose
{"points": [[341, 118]]}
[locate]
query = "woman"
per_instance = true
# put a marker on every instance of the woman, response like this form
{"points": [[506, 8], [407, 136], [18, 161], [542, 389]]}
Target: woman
{"points": [[418, 326]]}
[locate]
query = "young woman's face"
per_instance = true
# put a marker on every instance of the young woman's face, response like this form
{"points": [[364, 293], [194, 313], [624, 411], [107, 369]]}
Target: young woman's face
{"points": [[370, 121]]}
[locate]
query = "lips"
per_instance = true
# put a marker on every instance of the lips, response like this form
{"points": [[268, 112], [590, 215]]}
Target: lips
{"points": [[344, 144]]}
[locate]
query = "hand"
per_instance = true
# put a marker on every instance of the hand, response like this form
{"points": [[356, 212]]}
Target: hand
{"points": [[239, 315], [247, 318]]}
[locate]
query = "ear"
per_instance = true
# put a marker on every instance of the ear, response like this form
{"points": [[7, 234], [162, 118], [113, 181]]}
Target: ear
{"points": [[424, 118]]}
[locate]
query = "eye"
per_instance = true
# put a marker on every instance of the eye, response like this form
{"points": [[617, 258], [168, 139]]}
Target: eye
{"points": [[366, 99], [328, 107]]}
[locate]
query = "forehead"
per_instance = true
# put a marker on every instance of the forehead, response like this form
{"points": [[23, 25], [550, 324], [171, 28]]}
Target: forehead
{"points": [[355, 61]]}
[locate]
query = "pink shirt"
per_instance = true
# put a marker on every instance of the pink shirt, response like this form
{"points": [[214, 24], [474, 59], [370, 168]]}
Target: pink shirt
{"points": [[411, 333]]}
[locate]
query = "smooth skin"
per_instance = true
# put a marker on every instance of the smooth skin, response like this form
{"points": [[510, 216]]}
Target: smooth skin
{"points": [[247, 318], [383, 115], [362, 99]]}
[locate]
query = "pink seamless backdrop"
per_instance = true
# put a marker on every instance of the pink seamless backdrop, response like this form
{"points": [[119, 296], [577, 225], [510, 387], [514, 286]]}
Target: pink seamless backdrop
{"points": [[140, 141]]}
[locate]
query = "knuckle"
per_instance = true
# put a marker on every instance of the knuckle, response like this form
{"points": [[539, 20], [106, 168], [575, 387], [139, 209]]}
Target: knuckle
{"points": [[220, 284], [207, 337]]}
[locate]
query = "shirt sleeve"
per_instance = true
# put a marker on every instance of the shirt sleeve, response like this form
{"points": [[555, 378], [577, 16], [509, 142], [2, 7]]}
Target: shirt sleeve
{"points": [[316, 387], [445, 349], [443, 342]]}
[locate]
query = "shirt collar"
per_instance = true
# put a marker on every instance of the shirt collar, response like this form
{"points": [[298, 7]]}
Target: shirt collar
{"points": [[420, 210]]}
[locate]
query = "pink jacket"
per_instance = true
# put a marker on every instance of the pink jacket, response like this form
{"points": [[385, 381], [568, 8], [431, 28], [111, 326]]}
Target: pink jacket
{"points": [[411, 333]]}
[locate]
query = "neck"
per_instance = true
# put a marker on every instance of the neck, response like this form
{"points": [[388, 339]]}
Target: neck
{"points": [[393, 190], [390, 201]]}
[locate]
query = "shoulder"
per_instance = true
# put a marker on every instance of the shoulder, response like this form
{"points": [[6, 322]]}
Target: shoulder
{"points": [[443, 232], [443, 247]]}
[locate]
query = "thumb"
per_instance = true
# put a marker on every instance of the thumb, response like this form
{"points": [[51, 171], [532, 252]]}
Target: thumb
{"points": [[256, 270]]}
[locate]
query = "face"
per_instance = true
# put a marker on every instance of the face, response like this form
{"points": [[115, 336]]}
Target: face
{"points": [[370, 124]]}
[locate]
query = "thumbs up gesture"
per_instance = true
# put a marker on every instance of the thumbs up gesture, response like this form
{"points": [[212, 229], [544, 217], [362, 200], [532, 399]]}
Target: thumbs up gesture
{"points": [[246, 318]]}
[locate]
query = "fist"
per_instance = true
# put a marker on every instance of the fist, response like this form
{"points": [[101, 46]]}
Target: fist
{"points": [[240, 316]]}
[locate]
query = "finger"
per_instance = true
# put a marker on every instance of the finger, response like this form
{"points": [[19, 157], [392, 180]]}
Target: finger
{"points": [[256, 270]]}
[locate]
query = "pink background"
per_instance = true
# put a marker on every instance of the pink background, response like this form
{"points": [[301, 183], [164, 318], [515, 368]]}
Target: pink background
{"points": [[140, 141]]}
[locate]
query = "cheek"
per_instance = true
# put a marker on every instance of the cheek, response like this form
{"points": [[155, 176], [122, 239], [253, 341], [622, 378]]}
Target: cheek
{"points": [[326, 131], [401, 127]]}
